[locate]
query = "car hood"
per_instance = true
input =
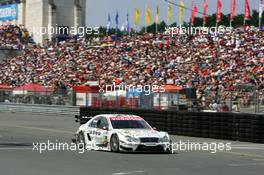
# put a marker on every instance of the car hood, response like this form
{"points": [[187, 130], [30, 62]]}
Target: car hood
{"points": [[140, 133]]}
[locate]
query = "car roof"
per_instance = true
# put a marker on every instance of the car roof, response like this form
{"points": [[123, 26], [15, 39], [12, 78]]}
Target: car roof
{"points": [[115, 115]]}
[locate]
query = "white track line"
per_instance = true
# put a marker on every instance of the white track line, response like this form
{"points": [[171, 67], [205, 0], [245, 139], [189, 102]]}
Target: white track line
{"points": [[41, 129], [45, 129], [243, 154], [246, 164], [15, 148], [130, 172], [248, 148]]}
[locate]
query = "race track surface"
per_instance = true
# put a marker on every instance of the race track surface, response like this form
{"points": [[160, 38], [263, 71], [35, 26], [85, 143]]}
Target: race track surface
{"points": [[18, 132]]}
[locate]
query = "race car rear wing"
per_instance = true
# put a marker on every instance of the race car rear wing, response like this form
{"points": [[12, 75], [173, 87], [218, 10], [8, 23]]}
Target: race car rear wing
{"points": [[82, 119]]}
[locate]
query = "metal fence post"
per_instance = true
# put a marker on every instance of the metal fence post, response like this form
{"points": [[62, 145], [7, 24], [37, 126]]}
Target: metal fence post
{"points": [[159, 101], [231, 102], [256, 101], [178, 101], [101, 99], [73, 98]]}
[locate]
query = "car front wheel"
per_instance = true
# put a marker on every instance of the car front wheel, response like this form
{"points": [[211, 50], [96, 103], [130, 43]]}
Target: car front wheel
{"points": [[114, 143], [81, 140]]}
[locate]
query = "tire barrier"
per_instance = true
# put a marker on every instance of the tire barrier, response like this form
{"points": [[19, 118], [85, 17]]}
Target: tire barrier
{"points": [[226, 126]]}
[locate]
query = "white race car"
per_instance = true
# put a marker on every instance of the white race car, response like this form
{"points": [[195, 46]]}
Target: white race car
{"points": [[121, 132]]}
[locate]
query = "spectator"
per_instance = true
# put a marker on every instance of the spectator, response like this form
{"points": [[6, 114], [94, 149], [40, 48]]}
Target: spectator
{"points": [[214, 66]]}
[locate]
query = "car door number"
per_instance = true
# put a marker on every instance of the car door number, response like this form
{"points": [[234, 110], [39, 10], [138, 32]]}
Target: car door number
{"points": [[94, 132]]}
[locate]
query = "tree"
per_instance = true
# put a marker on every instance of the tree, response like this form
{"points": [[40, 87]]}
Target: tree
{"points": [[152, 28], [238, 20], [9, 1]]}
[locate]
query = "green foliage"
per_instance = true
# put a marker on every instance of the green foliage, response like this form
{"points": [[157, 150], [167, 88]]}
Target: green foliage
{"points": [[152, 28], [238, 20], [9, 1]]}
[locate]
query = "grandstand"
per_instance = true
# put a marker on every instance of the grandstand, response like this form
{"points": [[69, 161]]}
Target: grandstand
{"points": [[216, 66]]}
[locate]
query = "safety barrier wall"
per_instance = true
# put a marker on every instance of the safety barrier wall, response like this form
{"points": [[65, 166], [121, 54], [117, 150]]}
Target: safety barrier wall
{"points": [[40, 109], [227, 126]]}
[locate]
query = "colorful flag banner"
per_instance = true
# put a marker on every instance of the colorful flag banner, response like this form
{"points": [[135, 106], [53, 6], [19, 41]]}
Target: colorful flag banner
{"points": [[136, 16], [194, 11], [127, 24], [169, 13], [117, 20], [247, 11], [205, 7], [218, 11], [108, 22], [181, 11], [148, 16], [233, 10], [157, 15], [261, 8]]}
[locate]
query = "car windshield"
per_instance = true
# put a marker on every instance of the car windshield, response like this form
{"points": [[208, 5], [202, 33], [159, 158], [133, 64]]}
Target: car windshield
{"points": [[129, 124]]}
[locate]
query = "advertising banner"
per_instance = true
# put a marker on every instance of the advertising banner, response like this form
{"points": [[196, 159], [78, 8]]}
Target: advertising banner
{"points": [[8, 12]]}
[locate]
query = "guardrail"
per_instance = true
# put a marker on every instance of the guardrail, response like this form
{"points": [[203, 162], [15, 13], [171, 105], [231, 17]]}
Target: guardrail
{"points": [[40, 109], [227, 126]]}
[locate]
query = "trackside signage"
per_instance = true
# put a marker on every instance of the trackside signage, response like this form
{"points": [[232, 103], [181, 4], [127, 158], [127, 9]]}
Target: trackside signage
{"points": [[126, 118], [8, 12]]}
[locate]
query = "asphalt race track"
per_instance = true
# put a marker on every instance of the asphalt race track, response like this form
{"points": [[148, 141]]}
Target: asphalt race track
{"points": [[18, 132]]}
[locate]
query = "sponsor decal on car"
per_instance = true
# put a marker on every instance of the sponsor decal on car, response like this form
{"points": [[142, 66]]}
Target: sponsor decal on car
{"points": [[126, 118]]}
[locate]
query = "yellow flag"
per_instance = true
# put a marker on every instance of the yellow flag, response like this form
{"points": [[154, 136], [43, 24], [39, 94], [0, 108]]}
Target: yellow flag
{"points": [[169, 13], [181, 11], [148, 16], [157, 15], [136, 16]]}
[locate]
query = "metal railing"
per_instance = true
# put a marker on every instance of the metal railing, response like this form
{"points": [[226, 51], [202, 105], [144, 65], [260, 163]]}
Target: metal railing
{"points": [[221, 101], [40, 109], [227, 101], [41, 98]]}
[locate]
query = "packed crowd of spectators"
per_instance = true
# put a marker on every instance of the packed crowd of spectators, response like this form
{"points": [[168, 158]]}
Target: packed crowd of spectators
{"points": [[13, 37], [210, 63]]}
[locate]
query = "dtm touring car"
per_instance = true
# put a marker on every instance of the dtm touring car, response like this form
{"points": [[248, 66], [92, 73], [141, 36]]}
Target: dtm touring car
{"points": [[121, 133]]}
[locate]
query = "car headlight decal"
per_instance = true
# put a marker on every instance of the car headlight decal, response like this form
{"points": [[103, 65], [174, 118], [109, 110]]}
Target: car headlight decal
{"points": [[131, 139], [164, 139]]}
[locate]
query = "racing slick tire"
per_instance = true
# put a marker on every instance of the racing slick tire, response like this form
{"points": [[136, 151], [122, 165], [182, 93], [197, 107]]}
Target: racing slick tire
{"points": [[170, 150], [114, 143], [81, 140]]}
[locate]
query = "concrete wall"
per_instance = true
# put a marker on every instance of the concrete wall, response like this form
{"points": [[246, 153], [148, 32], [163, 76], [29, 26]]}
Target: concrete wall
{"points": [[225, 126], [34, 18], [38, 14]]}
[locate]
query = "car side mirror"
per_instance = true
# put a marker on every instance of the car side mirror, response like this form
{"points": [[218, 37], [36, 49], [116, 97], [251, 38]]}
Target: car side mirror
{"points": [[154, 128], [104, 128]]}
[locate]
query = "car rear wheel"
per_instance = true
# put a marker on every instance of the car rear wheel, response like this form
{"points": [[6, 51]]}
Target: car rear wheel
{"points": [[81, 140], [114, 143]]}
